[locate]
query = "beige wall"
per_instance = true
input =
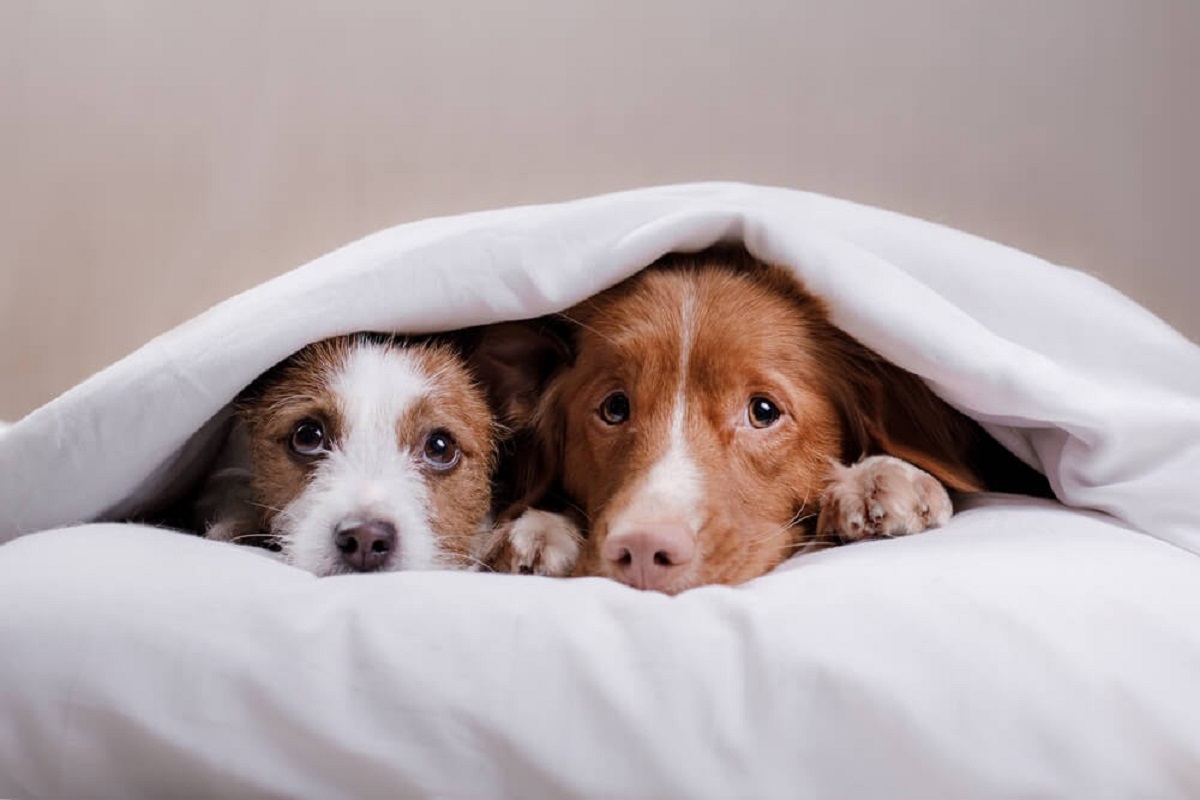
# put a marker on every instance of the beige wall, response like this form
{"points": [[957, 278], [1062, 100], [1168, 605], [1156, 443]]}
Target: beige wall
{"points": [[158, 157]]}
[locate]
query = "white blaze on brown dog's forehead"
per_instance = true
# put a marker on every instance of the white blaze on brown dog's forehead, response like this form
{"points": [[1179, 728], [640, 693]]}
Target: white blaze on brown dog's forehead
{"points": [[673, 487]]}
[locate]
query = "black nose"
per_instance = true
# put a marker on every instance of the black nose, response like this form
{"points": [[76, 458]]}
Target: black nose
{"points": [[365, 546]]}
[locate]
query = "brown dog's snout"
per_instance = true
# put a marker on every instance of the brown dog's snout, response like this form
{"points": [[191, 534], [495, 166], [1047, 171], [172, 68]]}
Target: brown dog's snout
{"points": [[649, 556], [365, 546]]}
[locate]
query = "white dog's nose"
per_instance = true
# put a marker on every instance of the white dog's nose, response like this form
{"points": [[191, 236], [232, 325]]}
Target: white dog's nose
{"points": [[365, 546]]}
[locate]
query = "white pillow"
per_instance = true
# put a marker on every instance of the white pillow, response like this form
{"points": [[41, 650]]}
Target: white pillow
{"points": [[1024, 650]]}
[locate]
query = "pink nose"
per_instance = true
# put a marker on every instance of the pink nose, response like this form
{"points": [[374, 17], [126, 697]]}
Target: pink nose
{"points": [[649, 556]]}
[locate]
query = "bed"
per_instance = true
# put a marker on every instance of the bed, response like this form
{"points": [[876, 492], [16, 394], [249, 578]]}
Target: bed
{"points": [[1029, 648]]}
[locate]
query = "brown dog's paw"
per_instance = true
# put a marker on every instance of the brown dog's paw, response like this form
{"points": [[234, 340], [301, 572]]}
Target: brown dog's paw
{"points": [[881, 497], [535, 543]]}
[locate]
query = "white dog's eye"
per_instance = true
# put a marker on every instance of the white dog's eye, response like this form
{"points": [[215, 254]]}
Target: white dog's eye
{"points": [[762, 413], [308, 438], [441, 451]]}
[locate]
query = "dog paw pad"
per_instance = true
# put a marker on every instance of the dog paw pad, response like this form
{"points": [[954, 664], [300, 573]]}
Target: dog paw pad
{"points": [[535, 543], [881, 497]]}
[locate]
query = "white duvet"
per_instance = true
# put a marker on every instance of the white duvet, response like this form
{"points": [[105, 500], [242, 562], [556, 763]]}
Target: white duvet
{"points": [[1027, 649]]}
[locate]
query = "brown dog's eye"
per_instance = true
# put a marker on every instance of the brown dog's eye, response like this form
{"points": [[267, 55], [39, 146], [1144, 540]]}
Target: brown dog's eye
{"points": [[441, 451], [308, 438], [614, 409], [762, 413]]}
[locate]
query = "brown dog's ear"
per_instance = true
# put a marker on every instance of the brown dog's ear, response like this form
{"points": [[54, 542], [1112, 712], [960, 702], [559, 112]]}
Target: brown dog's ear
{"points": [[517, 363], [514, 361], [889, 411], [530, 471], [908, 421]]}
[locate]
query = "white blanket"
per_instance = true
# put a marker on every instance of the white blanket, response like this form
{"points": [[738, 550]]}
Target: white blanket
{"points": [[1026, 647]]}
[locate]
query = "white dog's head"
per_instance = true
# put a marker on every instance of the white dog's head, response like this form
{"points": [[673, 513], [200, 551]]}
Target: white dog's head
{"points": [[371, 453]]}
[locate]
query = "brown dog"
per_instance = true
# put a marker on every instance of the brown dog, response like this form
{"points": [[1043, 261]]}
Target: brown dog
{"points": [[707, 421]]}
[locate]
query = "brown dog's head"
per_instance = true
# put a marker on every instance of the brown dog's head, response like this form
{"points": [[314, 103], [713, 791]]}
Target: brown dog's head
{"points": [[697, 417]]}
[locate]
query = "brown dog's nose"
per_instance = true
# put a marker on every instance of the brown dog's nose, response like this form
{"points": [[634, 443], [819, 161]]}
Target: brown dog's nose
{"points": [[365, 546], [649, 556]]}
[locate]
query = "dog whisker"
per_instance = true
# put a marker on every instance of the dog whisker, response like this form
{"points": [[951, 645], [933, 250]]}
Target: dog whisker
{"points": [[582, 513], [255, 536], [462, 560], [563, 315]]}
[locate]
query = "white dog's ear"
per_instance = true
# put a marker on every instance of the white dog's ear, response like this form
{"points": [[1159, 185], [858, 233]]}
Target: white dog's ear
{"points": [[515, 361]]}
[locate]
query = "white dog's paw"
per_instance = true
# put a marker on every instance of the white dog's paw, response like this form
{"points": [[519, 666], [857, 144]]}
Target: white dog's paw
{"points": [[880, 497], [535, 543], [236, 528]]}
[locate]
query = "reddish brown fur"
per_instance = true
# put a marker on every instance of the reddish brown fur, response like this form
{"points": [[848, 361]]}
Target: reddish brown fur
{"points": [[757, 332]]}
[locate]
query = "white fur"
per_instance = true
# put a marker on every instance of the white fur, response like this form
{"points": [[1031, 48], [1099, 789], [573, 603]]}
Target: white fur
{"points": [[367, 475], [544, 543], [881, 496], [673, 488]]}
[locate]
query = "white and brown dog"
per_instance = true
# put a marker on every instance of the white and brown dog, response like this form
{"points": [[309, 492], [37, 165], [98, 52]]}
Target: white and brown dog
{"points": [[360, 453]]}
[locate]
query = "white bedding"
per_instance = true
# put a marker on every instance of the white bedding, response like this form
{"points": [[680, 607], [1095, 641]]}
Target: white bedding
{"points": [[1027, 648]]}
